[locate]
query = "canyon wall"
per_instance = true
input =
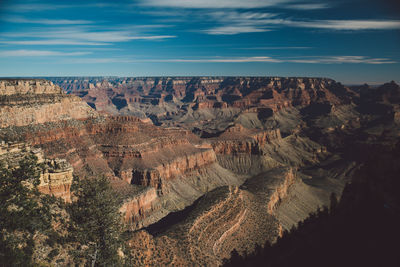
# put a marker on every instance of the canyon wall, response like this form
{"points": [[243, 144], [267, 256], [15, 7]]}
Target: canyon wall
{"points": [[168, 99], [55, 176], [139, 209], [226, 218], [235, 159], [37, 101]]}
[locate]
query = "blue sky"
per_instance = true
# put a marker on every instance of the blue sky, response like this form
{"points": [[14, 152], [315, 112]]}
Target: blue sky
{"points": [[351, 41]]}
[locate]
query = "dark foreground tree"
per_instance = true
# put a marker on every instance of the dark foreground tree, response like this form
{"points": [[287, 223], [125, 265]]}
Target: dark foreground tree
{"points": [[24, 212], [96, 223]]}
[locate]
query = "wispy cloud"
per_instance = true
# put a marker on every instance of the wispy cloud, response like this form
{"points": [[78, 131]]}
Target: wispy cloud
{"points": [[222, 60], [52, 42], [274, 48], [76, 36], [231, 30], [14, 19], [260, 59], [347, 24], [307, 6], [39, 53], [342, 60], [230, 22], [212, 3], [234, 22], [37, 7]]}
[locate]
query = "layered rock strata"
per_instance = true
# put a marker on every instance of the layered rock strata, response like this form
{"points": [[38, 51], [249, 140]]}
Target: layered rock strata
{"points": [[225, 218], [56, 175], [238, 139], [167, 100], [25, 102]]}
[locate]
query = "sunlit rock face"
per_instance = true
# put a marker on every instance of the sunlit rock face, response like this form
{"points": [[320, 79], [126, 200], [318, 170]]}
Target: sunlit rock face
{"points": [[26, 102], [205, 92], [204, 165], [56, 175]]}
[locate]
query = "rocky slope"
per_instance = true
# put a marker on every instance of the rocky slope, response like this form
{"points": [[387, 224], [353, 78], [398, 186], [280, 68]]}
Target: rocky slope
{"points": [[205, 164], [200, 102], [155, 170]]}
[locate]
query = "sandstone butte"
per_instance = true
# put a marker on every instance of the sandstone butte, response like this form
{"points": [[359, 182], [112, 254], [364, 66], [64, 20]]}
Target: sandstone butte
{"points": [[231, 155]]}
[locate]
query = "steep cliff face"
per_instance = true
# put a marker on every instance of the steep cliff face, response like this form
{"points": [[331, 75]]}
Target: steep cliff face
{"points": [[129, 95], [281, 192], [25, 102], [124, 148], [237, 139], [210, 105], [238, 148], [139, 210], [233, 90], [178, 165], [57, 179], [56, 175], [225, 218], [9, 87]]}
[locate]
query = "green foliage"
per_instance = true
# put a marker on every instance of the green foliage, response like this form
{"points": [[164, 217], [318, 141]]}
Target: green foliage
{"points": [[24, 211], [96, 223]]}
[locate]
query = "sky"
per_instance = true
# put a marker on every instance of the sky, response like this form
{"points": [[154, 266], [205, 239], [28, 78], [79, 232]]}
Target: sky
{"points": [[351, 41]]}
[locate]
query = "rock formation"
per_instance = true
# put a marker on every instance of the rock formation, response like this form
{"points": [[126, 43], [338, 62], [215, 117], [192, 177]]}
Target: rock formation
{"points": [[206, 105], [25, 102], [56, 175], [204, 165]]}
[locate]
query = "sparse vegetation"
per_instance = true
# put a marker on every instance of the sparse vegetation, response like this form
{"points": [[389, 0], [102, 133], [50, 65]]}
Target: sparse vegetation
{"points": [[96, 224], [25, 213]]}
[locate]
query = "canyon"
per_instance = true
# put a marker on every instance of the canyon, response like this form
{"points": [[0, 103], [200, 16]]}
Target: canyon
{"points": [[203, 165]]}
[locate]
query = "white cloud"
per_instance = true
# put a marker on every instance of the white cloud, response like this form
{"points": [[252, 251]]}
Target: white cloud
{"points": [[341, 60], [46, 21], [51, 42], [153, 37], [83, 35], [34, 7], [232, 20], [309, 6], [274, 48], [222, 60], [38, 53], [212, 3], [347, 24], [231, 30], [259, 59]]}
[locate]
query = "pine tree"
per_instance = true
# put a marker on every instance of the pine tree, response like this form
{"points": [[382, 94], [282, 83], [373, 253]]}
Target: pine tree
{"points": [[96, 224], [24, 211]]}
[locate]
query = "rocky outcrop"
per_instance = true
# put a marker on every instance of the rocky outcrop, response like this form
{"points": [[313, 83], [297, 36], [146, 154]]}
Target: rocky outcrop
{"points": [[156, 176], [237, 140], [22, 87], [223, 219], [56, 175], [57, 179], [206, 92], [138, 208], [281, 191], [237, 174], [25, 102]]}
